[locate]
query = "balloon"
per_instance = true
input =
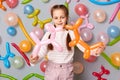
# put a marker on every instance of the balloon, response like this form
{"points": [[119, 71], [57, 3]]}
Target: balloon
{"points": [[11, 19], [25, 46], [113, 31], [38, 32], [50, 28], [45, 1], [99, 15], [7, 76], [114, 41], [11, 31], [77, 68], [17, 62], [118, 15], [33, 75], [81, 9], [115, 58], [12, 3], [87, 24], [86, 34], [43, 66], [6, 57], [22, 53], [24, 31], [91, 58], [28, 9], [1, 5], [101, 73], [106, 57], [26, 1], [68, 1], [37, 20], [103, 37]]}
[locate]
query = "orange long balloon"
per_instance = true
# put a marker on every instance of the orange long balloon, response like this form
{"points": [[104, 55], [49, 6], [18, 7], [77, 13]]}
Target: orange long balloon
{"points": [[77, 39]]}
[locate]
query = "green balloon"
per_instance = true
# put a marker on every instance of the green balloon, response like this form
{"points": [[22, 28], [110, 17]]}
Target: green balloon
{"points": [[18, 62], [45, 1]]}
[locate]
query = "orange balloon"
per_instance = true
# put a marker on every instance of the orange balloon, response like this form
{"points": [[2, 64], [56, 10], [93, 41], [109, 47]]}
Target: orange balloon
{"points": [[25, 46], [115, 58]]}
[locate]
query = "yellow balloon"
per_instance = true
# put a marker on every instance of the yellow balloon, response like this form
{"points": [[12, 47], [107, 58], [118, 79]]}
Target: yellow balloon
{"points": [[115, 58], [25, 46]]}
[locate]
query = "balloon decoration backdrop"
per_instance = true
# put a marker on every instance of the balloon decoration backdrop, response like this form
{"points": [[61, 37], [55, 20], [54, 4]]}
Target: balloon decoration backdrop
{"points": [[24, 23]]}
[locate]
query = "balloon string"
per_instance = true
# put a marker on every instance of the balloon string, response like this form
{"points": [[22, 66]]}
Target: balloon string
{"points": [[114, 41], [104, 55]]}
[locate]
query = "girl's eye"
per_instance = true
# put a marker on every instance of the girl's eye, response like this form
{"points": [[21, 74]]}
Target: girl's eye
{"points": [[55, 18], [62, 17]]}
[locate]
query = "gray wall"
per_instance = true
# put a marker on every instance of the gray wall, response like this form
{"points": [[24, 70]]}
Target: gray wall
{"points": [[45, 8]]}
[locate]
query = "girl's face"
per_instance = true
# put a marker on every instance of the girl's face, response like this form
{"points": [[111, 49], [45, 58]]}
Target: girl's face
{"points": [[59, 17]]}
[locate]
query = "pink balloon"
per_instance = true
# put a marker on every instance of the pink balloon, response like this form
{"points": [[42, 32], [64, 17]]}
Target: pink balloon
{"points": [[81, 9], [11, 19], [103, 37], [38, 32], [86, 34], [12, 3]]}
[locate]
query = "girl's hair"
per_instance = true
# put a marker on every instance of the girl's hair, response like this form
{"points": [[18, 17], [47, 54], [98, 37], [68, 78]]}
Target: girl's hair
{"points": [[50, 46], [63, 7]]}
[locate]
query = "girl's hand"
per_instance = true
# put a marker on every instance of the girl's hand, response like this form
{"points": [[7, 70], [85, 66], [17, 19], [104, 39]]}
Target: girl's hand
{"points": [[34, 59]]}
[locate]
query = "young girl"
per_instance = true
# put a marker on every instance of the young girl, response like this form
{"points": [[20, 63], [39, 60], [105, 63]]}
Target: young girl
{"points": [[59, 66]]}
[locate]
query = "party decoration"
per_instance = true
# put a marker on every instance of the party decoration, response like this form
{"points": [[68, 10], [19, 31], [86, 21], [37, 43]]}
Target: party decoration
{"points": [[68, 1], [6, 57], [26, 1], [28, 9], [115, 58], [99, 15], [100, 74], [113, 31], [7, 76], [81, 9], [43, 65], [103, 37], [24, 31], [17, 62], [86, 34], [97, 48], [33, 75], [25, 46], [37, 20], [103, 2], [45, 1], [1, 6], [87, 24], [114, 41], [22, 53], [38, 32], [77, 67], [118, 15], [104, 55], [11, 19], [50, 28], [12, 3], [11, 31], [114, 13], [91, 58]]}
